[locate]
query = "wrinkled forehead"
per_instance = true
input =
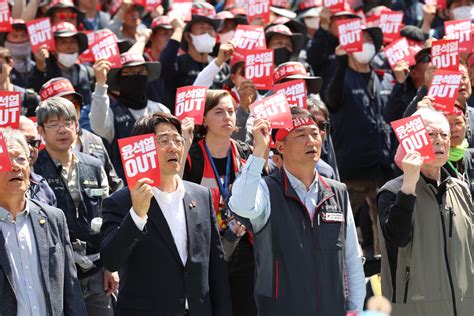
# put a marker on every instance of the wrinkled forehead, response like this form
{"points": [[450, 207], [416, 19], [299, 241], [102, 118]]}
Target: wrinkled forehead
{"points": [[437, 125]]}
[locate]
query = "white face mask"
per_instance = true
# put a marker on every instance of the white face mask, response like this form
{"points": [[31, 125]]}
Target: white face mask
{"points": [[67, 60], [462, 13], [203, 43], [226, 37], [312, 23], [366, 55]]}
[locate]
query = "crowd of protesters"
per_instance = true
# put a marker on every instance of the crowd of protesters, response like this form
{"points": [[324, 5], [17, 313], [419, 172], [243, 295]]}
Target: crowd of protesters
{"points": [[329, 216]]}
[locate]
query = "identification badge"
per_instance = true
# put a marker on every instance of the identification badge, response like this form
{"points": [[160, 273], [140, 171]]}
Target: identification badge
{"points": [[332, 217], [97, 192]]}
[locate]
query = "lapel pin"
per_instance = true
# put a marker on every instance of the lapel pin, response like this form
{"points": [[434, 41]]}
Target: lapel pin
{"points": [[192, 204], [42, 221]]}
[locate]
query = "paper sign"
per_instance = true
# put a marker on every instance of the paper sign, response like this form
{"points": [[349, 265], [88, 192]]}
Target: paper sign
{"points": [[280, 3], [181, 10], [275, 109], [372, 21], [440, 4], [190, 102], [5, 23], [140, 158], [10, 107], [5, 162], [391, 24], [92, 36], [399, 50], [461, 31], [444, 89], [413, 136], [350, 35], [248, 37], [40, 34], [445, 54], [107, 48], [259, 68], [307, 4], [295, 92], [334, 5], [258, 8], [150, 5]]}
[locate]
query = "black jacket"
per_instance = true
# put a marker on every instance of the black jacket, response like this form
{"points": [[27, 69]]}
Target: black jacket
{"points": [[153, 278]]}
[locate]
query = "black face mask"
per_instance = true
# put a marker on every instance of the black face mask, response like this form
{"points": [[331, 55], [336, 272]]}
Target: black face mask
{"points": [[133, 91], [281, 55]]}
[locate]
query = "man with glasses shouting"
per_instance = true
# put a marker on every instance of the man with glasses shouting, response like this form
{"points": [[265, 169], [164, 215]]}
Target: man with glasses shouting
{"points": [[79, 183]]}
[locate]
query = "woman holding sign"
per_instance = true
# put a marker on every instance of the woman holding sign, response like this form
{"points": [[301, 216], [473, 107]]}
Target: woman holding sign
{"points": [[215, 161]]}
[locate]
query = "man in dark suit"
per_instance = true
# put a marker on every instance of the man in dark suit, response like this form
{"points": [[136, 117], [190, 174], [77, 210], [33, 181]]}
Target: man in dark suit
{"points": [[164, 239], [37, 272]]}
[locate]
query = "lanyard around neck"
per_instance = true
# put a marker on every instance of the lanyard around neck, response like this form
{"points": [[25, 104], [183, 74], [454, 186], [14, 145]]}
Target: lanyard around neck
{"points": [[223, 189]]}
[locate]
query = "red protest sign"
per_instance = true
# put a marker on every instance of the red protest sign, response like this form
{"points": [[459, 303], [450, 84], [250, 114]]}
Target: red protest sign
{"points": [[150, 5], [399, 50], [5, 23], [249, 37], [335, 5], [259, 68], [440, 4], [444, 89], [181, 10], [140, 158], [275, 109], [5, 162], [372, 21], [445, 54], [391, 23], [107, 48], [10, 109], [350, 35], [461, 31], [308, 4], [413, 136], [92, 36], [295, 92], [40, 34], [190, 102], [258, 8]]}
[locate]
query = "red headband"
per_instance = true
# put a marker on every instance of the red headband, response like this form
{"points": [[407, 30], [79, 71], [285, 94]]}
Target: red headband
{"points": [[297, 122]]}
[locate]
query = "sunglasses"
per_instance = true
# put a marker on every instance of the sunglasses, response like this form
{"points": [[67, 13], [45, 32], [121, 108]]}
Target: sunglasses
{"points": [[323, 125], [66, 15], [34, 142]]}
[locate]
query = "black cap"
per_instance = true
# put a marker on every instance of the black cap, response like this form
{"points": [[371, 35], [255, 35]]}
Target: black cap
{"points": [[413, 33]]}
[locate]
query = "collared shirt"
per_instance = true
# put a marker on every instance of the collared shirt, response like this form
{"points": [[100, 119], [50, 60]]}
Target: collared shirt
{"points": [[251, 199], [20, 244]]}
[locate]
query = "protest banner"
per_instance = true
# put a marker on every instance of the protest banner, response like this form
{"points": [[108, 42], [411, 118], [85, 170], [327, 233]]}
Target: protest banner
{"points": [[140, 158], [190, 102], [107, 48], [259, 68], [258, 8], [295, 92], [10, 108], [391, 23], [40, 34], [413, 136], [335, 5], [5, 21], [350, 35], [181, 10], [445, 54], [461, 31], [275, 109], [249, 37], [444, 89], [399, 50], [439, 4]]}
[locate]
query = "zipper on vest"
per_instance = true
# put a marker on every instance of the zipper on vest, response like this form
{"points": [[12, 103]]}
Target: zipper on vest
{"points": [[407, 282], [451, 214]]}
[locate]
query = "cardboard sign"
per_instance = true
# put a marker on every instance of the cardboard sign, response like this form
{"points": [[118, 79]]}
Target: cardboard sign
{"points": [[140, 158], [107, 48], [181, 10], [5, 23], [40, 34], [444, 89], [335, 5], [413, 136], [10, 108], [445, 54], [295, 92], [350, 35], [258, 8], [249, 37], [275, 109], [259, 68], [391, 23], [439, 4], [5, 162], [461, 31], [399, 50], [190, 102]]}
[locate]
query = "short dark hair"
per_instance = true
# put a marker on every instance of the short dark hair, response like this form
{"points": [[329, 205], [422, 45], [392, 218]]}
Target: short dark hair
{"points": [[296, 112], [148, 123]]}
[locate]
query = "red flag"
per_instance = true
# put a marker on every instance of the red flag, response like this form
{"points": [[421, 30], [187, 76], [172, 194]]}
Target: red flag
{"points": [[295, 92], [413, 136], [399, 50], [258, 8], [444, 89], [461, 31], [350, 35], [190, 102], [140, 158], [5, 22], [275, 109], [107, 48], [259, 68], [391, 24], [10, 104], [40, 34], [445, 54], [5, 162], [249, 37]]}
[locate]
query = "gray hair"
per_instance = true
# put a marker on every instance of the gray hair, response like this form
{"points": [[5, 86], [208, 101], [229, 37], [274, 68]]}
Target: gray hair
{"points": [[432, 116], [315, 104], [14, 137], [55, 106]]}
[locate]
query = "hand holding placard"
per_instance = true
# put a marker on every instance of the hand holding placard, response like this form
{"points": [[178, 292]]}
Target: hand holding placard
{"points": [[275, 109], [190, 102], [350, 35]]}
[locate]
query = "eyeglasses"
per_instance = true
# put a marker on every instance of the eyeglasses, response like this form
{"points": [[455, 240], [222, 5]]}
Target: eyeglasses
{"points": [[20, 160], [66, 15], [433, 135], [165, 141], [34, 142], [323, 125], [55, 126]]}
